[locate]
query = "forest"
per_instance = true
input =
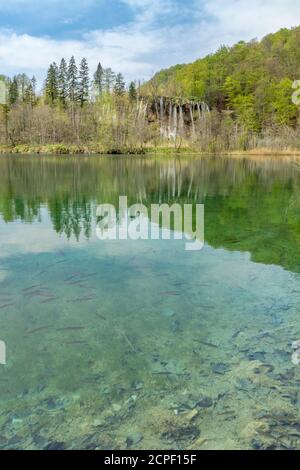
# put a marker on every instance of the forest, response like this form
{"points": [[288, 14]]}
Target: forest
{"points": [[247, 89]]}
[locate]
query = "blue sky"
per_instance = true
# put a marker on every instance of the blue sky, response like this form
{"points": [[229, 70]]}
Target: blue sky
{"points": [[135, 37]]}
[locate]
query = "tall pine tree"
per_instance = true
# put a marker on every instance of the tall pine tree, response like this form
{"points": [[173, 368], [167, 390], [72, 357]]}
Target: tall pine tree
{"points": [[98, 79], [13, 92], [119, 86], [108, 80], [51, 85], [63, 82], [132, 92], [83, 85], [72, 79]]}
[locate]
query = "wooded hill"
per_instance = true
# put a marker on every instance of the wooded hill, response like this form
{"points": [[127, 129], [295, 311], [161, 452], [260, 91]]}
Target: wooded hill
{"points": [[253, 80]]}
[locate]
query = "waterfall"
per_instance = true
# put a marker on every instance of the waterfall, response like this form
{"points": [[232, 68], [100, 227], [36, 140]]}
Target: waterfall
{"points": [[199, 111], [156, 109], [205, 107], [175, 121], [192, 119], [170, 119], [161, 104], [181, 120]]}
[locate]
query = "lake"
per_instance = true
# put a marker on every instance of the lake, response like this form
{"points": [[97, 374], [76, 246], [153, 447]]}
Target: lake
{"points": [[123, 344]]}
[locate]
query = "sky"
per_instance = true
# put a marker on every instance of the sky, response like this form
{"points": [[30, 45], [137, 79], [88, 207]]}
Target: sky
{"points": [[134, 37]]}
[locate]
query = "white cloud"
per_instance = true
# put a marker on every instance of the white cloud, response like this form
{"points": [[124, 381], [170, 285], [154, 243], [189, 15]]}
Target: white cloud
{"points": [[163, 33]]}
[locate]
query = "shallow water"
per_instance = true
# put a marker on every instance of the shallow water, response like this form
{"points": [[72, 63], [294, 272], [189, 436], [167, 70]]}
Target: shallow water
{"points": [[122, 344]]}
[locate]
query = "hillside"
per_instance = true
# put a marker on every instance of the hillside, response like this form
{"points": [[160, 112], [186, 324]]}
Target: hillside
{"points": [[253, 80]]}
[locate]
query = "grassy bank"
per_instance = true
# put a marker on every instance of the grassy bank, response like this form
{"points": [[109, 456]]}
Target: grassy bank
{"points": [[95, 149]]}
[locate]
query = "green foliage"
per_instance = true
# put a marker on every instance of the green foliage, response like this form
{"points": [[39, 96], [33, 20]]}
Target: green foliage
{"points": [[252, 79]]}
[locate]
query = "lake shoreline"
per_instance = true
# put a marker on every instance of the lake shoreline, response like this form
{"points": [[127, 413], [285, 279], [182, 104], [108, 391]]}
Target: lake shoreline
{"points": [[62, 149]]}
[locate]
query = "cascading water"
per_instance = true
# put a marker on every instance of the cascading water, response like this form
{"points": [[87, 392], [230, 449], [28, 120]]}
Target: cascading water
{"points": [[175, 121], [199, 111], [181, 119], [161, 105], [170, 120], [192, 120]]}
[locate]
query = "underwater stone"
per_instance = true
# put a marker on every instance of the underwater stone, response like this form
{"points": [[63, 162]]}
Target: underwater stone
{"points": [[296, 358], [205, 402], [134, 439], [116, 407], [296, 344], [137, 385], [257, 356], [184, 433], [220, 368], [55, 446], [17, 422], [168, 313]]}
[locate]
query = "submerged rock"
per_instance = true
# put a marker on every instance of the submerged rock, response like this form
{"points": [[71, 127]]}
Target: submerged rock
{"points": [[257, 356], [55, 446], [296, 358], [168, 313], [205, 402], [220, 368], [181, 434], [296, 344], [134, 439]]}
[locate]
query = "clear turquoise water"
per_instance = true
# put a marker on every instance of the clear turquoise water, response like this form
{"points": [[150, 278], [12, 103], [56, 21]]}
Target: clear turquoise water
{"points": [[122, 344]]}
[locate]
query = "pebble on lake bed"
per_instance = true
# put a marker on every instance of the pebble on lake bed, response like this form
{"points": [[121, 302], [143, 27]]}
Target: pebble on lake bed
{"points": [[296, 344], [296, 358], [296, 353]]}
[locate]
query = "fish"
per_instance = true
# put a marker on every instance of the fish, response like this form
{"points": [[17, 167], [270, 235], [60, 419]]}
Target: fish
{"points": [[35, 286], [82, 299], [57, 262], [40, 328], [76, 342], [71, 328], [38, 293], [73, 283], [206, 343], [102, 317], [6, 306], [51, 299], [170, 293]]}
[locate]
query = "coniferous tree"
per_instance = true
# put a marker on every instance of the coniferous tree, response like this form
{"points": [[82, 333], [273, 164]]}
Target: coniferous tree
{"points": [[83, 84], [119, 86], [23, 82], [72, 80], [108, 80], [13, 92], [98, 79], [132, 91], [63, 82], [30, 92], [33, 84], [51, 84]]}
